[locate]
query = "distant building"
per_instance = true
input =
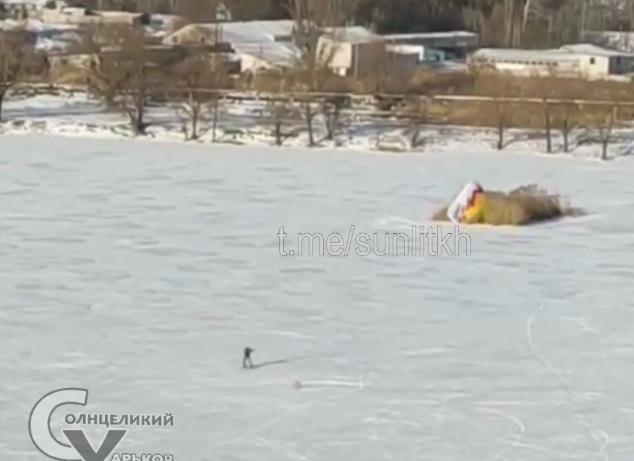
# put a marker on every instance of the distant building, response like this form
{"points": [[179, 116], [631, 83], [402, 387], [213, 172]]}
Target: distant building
{"points": [[59, 13], [349, 51], [257, 45], [439, 45], [582, 60]]}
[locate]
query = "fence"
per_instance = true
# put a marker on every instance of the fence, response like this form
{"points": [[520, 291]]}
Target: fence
{"points": [[430, 109]]}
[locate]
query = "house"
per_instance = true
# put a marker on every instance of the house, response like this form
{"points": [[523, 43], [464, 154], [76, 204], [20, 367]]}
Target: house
{"points": [[582, 60], [59, 13], [349, 51], [439, 45], [233, 32], [353, 51], [257, 45]]}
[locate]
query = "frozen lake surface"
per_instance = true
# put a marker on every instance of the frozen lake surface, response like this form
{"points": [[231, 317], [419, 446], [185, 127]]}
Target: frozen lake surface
{"points": [[140, 271]]}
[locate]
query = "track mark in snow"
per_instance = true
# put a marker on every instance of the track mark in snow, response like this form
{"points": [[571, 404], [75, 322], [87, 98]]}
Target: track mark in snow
{"points": [[257, 429], [291, 334], [278, 447], [520, 434], [423, 352], [395, 222], [592, 432], [555, 454], [307, 384], [582, 322]]}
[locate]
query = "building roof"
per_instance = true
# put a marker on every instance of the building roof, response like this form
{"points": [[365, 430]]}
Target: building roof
{"points": [[594, 50], [37, 3], [352, 34], [566, 52], [274, 53], [528, 55], [434, 35], [252, 31]]}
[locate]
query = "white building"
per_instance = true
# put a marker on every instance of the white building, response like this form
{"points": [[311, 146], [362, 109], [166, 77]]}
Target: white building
{"points": [[257, 45], [439, 45], [583, 60], [348, 51]]}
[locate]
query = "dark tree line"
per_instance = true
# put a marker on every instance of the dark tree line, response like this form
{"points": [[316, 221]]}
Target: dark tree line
{"points": [[525, 23]]}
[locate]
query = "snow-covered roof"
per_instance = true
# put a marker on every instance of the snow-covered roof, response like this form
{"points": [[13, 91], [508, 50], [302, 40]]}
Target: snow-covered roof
{"points": [[267, 40], [352, 34], [434, 35], [510, 54], [566, 52], [35, 26], [407, 49], [252, 31], [594, 50], [38, 3], [519, 54], [274, 53]]}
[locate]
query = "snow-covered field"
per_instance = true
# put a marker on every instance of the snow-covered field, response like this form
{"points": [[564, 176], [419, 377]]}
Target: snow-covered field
{"points": [[140, 270]]}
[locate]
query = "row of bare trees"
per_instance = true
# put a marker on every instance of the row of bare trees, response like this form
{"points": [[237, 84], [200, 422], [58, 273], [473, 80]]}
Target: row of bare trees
{"points": [[554, 104], [127, 75]]}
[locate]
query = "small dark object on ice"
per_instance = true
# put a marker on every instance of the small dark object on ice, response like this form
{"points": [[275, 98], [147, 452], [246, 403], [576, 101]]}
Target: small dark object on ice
{"points": [[246, 360]]}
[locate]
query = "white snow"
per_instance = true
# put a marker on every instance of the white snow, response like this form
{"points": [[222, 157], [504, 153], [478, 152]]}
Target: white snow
{"points": [[140, 270]]}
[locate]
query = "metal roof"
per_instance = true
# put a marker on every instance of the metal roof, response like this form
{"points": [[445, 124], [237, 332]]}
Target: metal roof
{"points": [[352, 34], [274, 53], [565, 53], [434, 35], [587, 48], [252, 31], [511, 54]]}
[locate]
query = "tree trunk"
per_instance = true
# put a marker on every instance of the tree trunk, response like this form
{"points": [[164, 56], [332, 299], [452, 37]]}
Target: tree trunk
{"points": [[547, 121], [501, 124], [309, 124], [3, 93], [565, 128], [214, 126]]}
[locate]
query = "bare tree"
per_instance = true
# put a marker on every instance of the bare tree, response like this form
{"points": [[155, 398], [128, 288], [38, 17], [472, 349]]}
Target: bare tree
{"points": [[312, 67], [17, 60], [500, 87], [280, 111], [331, 108], [194, 92], [561, 109], [603, 119], [567, 118], [418, 111], [123, 72]]}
